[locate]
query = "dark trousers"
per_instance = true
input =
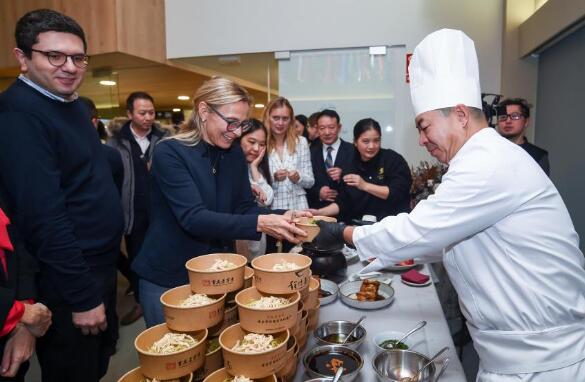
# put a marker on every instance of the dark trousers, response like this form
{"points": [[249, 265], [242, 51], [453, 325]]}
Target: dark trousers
{"points": [[64, 353], [133, 244]]}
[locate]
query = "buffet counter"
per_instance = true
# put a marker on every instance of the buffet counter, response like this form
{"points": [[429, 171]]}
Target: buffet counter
{"points": [[410, 305]]}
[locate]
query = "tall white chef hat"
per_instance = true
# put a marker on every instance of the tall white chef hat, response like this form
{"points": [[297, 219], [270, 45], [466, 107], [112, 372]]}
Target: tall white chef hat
{"points": [[444, 72]]}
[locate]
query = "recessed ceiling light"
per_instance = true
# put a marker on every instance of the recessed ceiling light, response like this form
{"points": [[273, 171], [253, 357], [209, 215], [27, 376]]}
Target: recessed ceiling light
{"points": [[176, 110], [259, 105], [108, 83], [183, 98]]}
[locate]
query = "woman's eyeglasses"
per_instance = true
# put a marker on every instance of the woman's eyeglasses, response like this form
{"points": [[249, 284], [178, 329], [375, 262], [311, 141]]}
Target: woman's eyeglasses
{"points": [[233, 124], [59, 59], [513, 117]]}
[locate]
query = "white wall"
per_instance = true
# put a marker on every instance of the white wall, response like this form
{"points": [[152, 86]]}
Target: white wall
{"points": [[218, 27]]}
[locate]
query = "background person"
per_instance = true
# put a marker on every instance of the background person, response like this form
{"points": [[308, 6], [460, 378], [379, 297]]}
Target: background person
{"points": [[301, 123], [201, 196], [513, 123], [253, 144], [289, 160], [331, 158], [497, 222], [61, 195], [135, 143]]}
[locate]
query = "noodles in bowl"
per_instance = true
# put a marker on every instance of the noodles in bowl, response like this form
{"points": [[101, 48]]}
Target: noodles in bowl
{"points": [[256, 343], [196, 300], [270, 302], [173, 343], [221, 265], [283, 265]]}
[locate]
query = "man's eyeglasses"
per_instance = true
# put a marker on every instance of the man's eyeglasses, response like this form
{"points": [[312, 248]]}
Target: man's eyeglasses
{"points": [[513, 117], [233, 124], [59, 58]]}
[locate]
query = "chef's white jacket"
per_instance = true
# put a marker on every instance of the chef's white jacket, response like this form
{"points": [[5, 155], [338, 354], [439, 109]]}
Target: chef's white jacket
{"points": [[510, 250]]}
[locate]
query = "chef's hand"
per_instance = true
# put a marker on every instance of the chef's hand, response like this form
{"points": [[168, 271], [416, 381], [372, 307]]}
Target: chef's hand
{"points": [[280, 227], [330, 234], [294, 176], [280, 175], [36, 318], [334, 173], [91, 321], [19, 348], [327, 194], [354, 180]]}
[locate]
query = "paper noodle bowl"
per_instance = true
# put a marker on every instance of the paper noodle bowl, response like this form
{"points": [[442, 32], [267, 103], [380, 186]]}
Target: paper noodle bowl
{"points": [[312, 229], [213, 362], [188, 319], [248, 276], [135, 375], [266, 321], [268, 280], [222, 375], [311, 300], [202, 280], [230, 317], [289, 369], [252, 365], [168, 366]]}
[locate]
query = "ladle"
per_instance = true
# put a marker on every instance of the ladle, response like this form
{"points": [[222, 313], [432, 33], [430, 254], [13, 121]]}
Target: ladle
{"points": [[417, 327], [354, 329], [338, 374], [414, 378]]}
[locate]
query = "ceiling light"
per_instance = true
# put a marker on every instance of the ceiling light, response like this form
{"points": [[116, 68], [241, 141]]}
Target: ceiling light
{"points": [[108, 83], [259, 105], [183, 98], [176, 110]]}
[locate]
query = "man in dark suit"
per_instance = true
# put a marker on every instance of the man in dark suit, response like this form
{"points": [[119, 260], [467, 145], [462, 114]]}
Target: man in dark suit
{"points": [[331, 157]]}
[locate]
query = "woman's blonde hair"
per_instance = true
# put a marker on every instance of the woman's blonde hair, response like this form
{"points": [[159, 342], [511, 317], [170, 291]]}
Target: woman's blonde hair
{"points": [[215, 92], [291, 135]]}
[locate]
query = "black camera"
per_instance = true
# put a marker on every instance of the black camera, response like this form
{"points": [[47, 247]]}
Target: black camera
{"points": [[489, 103]]}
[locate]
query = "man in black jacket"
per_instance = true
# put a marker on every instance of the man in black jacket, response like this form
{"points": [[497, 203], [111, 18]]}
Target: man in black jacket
{"points": [[331, 157], [512, 123], [61, 196], [135, 143]]}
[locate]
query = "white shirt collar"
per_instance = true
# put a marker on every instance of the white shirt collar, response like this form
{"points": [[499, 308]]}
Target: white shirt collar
{"points": [[143, 142], [335, 145], [44, 91]]}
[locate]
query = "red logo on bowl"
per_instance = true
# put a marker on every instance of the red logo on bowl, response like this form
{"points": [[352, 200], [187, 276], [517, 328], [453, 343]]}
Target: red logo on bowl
{"points": [[171, 365]]}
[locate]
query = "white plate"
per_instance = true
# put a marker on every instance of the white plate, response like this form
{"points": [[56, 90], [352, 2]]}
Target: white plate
{"points": [[350, 288], [331, 287], [417, 285]]}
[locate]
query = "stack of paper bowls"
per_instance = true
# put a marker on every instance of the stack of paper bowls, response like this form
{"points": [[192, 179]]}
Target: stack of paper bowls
{"points": [[281, 283]]}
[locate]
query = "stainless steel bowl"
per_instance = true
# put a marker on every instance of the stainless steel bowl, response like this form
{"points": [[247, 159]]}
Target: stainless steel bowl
{"points": [[320, 351], [392, 365], [340, 329]]}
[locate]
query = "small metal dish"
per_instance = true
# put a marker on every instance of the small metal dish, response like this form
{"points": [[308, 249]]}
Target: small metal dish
{"points": [[337, 331], [392, 365], [331, 287], [317, 359], [348, 289]]}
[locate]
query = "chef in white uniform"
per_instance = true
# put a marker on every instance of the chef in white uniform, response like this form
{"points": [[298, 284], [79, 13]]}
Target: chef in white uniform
{"points": [[496, 221]]}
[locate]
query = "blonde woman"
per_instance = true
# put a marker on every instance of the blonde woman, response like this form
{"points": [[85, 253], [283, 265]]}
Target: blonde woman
{"points": [[289, 161], [289, 158], [201, 199]]}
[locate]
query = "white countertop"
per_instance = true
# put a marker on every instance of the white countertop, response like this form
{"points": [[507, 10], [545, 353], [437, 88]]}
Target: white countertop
{"points": [[410, 305]]}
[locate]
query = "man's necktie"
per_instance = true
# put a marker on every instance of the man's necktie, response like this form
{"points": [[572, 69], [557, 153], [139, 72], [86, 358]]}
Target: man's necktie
{"points": [[329, 159]]}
